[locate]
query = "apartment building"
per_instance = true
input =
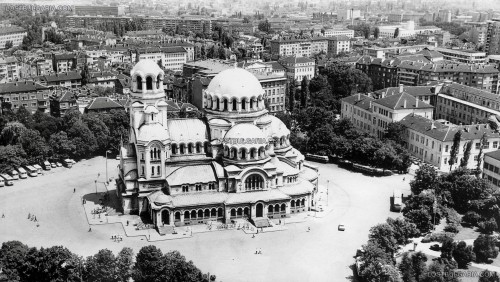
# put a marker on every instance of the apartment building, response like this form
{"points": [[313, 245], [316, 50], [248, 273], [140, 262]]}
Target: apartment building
{"points": [[492, 45], [64, 62], [462, 56], [62, 100], [12, 34], [298, 67], [431, 141], [171, 58], [10, 69], [28, 94], [491, 168], [349, 33], [69, 80], [299, 47], [99, 10], [338, 44]]}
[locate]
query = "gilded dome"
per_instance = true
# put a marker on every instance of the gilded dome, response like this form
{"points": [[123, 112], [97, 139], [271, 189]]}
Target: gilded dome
{"points": [[235, 83]]}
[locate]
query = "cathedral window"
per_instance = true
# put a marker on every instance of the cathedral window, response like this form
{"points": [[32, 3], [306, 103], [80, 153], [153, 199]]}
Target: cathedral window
{"points": [[142, 169], [253, 182], [149, 83], [139, 83], [198, 187], [185, 188], [234, 105], [158, 81], [211, 186]]}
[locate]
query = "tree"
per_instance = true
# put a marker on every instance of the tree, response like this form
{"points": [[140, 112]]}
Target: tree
{"points": [[463, 254], [291, 95], [482, 143], [12, 157], [62, 147], [148, 264], [447, 248], [471, 218], [395, 132], [83, 139], [488, 276], [11, 133], [265, 26], [34, 145], [485, 248], [396, 33], [455, 148], [426, 177], [376, 32], [403, 230], [9, 44], [176, 268], [101, 267], [12, 256], [383, 236], [304, 92], [101, 132], [465, 159], [124, 264], [48, 264], [345, 81], [221, 52], [488, 226], [374, 258]]}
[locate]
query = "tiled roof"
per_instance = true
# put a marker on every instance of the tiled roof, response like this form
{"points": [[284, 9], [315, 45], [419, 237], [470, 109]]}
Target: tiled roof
{"points": [[23, 86], [173, 49], [192, 174], [11, 29], [468, 89], [72, 75], [198, 199], [298, 188], [412, 90], [103, 103], [359, 100], [299, 60], [446, 133], [398, 101], [495, 154], [254, 196], [66, 56]]}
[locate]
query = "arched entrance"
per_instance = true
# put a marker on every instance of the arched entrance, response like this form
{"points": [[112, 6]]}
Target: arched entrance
{"points": [[165, 217], [259, 210]]}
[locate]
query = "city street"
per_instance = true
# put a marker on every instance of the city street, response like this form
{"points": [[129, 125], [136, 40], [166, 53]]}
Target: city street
{"points": [[322, 254]]}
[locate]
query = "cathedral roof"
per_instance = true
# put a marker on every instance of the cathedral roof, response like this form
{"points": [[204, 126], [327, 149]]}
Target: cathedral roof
{"points": [[254, 196], [235, 83], [191, 175], [297, 188], [187, 130], [152, 131], [245, 135], [278, 128]]}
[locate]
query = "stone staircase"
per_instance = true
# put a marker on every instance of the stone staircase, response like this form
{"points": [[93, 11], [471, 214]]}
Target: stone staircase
{"points": [[164, 230], [261, 222]]}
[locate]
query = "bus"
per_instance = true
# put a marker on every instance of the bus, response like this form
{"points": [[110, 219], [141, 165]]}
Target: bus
{"points": [[317, 158], [2, 182], [46, 165], [33, 172], [67, 163], [14, 174], [397, 202], [8, 179], [22, 173], [38, 168]]}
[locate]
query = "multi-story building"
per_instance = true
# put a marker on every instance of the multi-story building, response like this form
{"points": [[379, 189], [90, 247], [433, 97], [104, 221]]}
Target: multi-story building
{"points": [[348, 14], [28, 94], [63, 62], [298, 67], [103, 79], [444, 16], [440, 38], [299, 47], [68, 79], [373, 116], [171, 58], [62, 100], [99, 10], [491, 167], [9, 69], [431, 141], [462, 56], [201, 73], [402, 17], [336, 32], [12, 34], [338, 44], [462, 104], [390, 52], [492, 45]]}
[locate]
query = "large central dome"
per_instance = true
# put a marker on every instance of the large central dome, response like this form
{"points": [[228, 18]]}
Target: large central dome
{"points": [[235, 82]]}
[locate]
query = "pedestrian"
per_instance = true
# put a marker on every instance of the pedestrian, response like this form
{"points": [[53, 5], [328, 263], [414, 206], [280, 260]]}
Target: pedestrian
{"points": [[280, 221], [74, 190], [3, 215], [404, 179], [308, 229], [127, 222], [29, 215], [90, 229], [253, 236]]}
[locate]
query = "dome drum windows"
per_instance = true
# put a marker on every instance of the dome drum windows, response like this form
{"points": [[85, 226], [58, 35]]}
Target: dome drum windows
{"points": [[189, 148], [245, 154]]}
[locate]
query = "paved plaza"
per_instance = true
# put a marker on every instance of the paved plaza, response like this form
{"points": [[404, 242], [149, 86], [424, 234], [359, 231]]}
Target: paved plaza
{"points": [[292, 253]]}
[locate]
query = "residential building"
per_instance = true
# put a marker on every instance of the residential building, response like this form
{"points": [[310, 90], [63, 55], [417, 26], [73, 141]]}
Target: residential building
{"points": [[170, 58], [63, 62], [349, 33], [12, 34], [444, 16], [62, 100], [431, 141], [68, 79], [491, 167], [105, 79], [102, 104], [348, 14], [338, 44], [440, 38], [99, 10], [462, 56], [298, 67], [298, 47], [9, 69], [373, 116], [28, 94], [492, 45]]}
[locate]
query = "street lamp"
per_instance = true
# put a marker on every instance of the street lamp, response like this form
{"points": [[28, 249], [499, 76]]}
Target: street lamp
{"points": [[108, 151], [327, 182]]}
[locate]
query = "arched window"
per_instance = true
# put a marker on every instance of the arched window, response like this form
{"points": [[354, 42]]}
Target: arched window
{"points": [[200, 213], [303, 203], [225, 105], [190, 148], [243, 104], [243, 154], [193, 214], [252, 153], [217, 105], [253, 182], [198, 148], [177, 216], [233, 212], [251, 104], [158, 81], [234, 105], [186, 215], [207, 213], [182, 149], [270, 209], [174, 149], [149, 83], [139, 83], [283, 207], [220, 212], [213, 212]]}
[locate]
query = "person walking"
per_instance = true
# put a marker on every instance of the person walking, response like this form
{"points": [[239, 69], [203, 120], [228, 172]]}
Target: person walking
{"points": [[90, 229], [74, 190]]}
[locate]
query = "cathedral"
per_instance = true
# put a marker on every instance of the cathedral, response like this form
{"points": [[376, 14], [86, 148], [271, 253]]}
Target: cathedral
{"points": [[236, 162]]}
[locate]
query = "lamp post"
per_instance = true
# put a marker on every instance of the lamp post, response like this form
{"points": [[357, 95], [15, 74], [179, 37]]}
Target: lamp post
{"points": [[108, 151], [327, 183], [95, 186]]}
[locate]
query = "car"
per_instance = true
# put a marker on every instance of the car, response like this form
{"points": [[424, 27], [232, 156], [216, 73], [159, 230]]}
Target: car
{"points": [[435, 247], [53, 165], [341, 227], [58, 164]]}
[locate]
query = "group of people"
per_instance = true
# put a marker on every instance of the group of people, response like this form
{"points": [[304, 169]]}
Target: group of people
{"points": [[258, 251], [31, 217], [117, 238]]}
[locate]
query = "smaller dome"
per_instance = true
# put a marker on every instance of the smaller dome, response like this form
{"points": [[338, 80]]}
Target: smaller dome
{"points": [[245, 135], [160, 199], [151, 110], [278, 128], [146, 67], [235, 82]]}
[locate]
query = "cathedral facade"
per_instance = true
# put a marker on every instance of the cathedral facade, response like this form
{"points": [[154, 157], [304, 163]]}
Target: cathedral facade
{"points": [[237, 162]]}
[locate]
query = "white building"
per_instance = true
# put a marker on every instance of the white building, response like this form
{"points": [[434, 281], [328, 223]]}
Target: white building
{"points": [[12, 34]]}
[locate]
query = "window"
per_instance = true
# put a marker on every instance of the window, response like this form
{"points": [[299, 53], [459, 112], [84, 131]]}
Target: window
{"points": [[478, 145], [475, 158], [495, 144], [446, 149], [211, 186], [198, 187], [185, 188]]}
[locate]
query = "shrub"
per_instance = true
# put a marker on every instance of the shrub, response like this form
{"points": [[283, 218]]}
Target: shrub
{"points": [[488, 226], [471, 218], [452, 228], [438, 237]]}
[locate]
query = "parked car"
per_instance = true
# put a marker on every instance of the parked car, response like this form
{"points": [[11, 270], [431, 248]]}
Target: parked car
{"points": [[38, 168], [53, 165], [7, 178], [435, 247], [22, 173], [46, 165], [32, 171], [341, 227], [14, 174], [67, 163], [2, 182], [58, 164]]}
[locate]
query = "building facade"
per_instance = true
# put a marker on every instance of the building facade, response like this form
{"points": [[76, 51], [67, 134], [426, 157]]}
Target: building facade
{"points": [[239, 164], [12, 34]]}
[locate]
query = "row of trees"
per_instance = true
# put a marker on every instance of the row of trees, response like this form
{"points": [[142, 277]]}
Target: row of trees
{"points": [[32, 138], [22, 263]]}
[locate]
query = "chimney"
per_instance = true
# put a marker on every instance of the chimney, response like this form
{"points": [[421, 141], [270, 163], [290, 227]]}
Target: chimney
{"points": [[401, 88], [416, 102], [404, 104], [359, 96], [370, 104], [433, 126]]}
